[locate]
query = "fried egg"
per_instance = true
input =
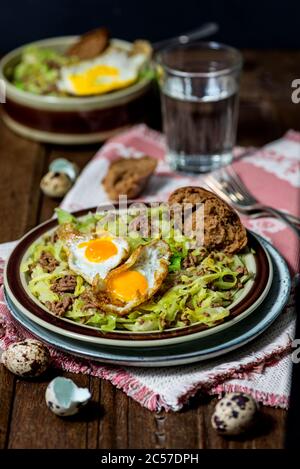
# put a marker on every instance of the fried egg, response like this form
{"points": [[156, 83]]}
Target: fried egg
{"points": [[112, 70], [95, 256], [137, 280]]}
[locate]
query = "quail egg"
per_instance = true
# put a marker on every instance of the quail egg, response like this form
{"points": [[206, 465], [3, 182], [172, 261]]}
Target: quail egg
{"points": [[55, 184], [234, 414], [28, 358]]}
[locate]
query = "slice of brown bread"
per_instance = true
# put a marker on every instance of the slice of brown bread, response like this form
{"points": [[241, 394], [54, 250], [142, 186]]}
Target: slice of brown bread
{"points": [[90, 44], [128, 176], [223, 229]]}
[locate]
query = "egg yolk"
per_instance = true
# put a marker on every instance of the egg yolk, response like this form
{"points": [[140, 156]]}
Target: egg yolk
{"points": [[98, 250], [128, 285], [97, 79]]}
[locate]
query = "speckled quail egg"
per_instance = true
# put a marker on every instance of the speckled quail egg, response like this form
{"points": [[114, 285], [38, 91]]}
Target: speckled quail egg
{"points": [[55, 184], [234, 414], [28, 358], [65, 398]]}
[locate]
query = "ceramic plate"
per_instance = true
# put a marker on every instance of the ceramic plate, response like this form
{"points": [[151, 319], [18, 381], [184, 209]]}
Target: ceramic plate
{"points": [[16, 287], [188, 352]]}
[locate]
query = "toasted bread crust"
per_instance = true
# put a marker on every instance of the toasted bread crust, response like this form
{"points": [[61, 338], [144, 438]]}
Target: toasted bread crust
{"points": [[90, 44], [128, 176], [223, 229]]}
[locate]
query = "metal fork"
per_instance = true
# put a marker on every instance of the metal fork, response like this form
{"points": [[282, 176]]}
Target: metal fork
{"points": [[227, 184]]}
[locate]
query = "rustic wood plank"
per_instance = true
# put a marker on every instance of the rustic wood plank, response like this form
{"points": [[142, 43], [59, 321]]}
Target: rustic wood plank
{"points": [[272, 429], [113, 428], [68, 433], [258, 123], [40, 428], [180, 429], [268, 74], [289, 115], [21, 166], [96, 412], [7, 383], [145, 428]]}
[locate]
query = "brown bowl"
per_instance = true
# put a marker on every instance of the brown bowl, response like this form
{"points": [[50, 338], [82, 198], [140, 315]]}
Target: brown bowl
{"points": [[72, 120]]}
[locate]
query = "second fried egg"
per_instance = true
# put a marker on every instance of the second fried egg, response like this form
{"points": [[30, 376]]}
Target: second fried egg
{"points": [[137, 280]]}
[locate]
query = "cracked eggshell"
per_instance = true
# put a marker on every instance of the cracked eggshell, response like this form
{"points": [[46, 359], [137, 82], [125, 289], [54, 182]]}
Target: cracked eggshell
{"points": [[234, 414], [65, 398], [28, 358]]}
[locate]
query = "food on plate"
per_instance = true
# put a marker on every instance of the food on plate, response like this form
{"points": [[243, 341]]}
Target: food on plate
{"points": [[234, 414], [112, 70], [223, 229], [64, 398], [108, 271], [94, 65], [28, 358], [93, 254], [39, 70], [135, 281], [90, 44], [128, 176]]}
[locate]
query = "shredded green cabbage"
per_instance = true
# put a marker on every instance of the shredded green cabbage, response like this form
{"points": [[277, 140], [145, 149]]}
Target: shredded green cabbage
{"points": [[199, 294]]}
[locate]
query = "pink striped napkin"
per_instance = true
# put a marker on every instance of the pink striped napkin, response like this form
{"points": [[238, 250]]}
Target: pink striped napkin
{"points": [[264, 368]]}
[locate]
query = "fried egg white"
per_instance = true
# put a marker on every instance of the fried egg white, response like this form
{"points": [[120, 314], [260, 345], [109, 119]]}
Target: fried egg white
{"points": [[95, 256], [137, 280], [112, 70]]}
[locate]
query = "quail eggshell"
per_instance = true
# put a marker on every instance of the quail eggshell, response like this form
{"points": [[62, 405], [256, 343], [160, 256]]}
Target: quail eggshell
{"points": [[28, 358], [234, 414], [61, 165], [64, 398], [55, 184]]}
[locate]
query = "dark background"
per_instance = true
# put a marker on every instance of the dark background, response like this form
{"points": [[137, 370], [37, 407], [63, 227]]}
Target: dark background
{"points": [[253, 24]]}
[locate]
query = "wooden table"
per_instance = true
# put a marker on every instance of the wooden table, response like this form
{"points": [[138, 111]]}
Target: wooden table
{"points": [[116, 421]]}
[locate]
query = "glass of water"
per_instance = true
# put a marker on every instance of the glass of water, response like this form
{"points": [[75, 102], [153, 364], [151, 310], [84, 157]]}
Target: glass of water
{"points": [[199, 86]]}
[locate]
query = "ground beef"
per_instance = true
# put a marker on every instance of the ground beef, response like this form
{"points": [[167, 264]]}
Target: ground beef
{"points": [[47, 261], [66, 284], [94, 300], [190, 261], [90, 300], [60, 307], [140, 225]]}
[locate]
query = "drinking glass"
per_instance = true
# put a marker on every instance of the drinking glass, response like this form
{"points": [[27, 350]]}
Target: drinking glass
{"points": [[199, 86]]}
